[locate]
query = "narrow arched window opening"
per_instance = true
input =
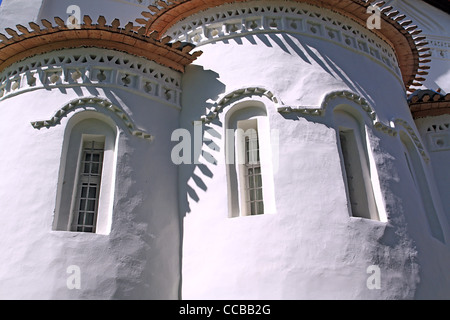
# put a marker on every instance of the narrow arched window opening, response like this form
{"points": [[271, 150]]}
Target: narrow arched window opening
{"points": [[87, 175], [357, 171], [249, 161]]}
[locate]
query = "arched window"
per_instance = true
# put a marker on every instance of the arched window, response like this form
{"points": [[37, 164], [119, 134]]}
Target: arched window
{"points": [[86, 182], [415, 167], [249, 160], [357, 170]]}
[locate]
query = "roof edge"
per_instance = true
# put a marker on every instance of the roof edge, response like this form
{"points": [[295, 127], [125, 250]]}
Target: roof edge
{"points": [[396, 29], [130, 39]]}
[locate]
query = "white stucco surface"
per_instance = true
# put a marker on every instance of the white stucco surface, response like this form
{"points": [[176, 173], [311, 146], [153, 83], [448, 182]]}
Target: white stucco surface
{"points": [[310, 248], [145, 232], [172, 235]]}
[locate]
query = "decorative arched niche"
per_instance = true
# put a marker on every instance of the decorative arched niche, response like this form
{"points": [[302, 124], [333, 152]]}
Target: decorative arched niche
{"points": [[357, 162], [418, 175], [250, 158], [87, 174]]}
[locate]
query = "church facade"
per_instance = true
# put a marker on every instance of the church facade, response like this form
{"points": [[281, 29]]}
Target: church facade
{"points": [[192, 149]]}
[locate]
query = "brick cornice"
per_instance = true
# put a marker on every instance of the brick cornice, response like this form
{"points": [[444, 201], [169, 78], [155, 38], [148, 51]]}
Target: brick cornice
{"points": [[132, 40], [429, 105], [396, 29]]}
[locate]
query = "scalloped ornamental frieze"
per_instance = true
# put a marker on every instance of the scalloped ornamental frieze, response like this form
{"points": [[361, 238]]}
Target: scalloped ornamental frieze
{"points": [[89, 102], [240, 19], [92, 67], [414, 136]]}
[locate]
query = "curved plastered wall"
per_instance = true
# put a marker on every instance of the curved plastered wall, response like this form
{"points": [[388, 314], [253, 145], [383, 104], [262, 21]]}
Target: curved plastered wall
{"points": [[309, 246], [137, 256]]}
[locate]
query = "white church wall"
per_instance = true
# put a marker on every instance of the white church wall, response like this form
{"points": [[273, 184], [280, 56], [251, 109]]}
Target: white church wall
{"points": [[431, 130], [434, 132], [310, 248], [139, 258]]}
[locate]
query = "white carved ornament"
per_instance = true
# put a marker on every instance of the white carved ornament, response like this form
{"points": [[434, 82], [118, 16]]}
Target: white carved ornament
{"points": [[92, 67], [92, 102], [241, 19]]}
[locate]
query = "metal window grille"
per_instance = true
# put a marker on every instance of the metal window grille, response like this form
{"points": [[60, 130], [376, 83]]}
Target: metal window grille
{"points": [[89, 187], [253, 177]]}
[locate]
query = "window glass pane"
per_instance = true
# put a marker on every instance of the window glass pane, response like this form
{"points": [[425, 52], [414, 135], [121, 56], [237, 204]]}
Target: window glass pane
{"points": [[95, 168], [87, 157], [86, 168], [91, 205], [251, 194], [96, 157], [258, 180], [251, 181], [253, 178], [89, 219], [82, 205], [80, 218], [259, 194], [260, 207], [92, 192], [84, 190], [252, 208]]}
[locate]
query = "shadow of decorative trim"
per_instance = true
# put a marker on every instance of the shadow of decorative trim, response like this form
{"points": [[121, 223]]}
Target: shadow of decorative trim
{"points": [[221, 24], [396, 29], [96, 101]]}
